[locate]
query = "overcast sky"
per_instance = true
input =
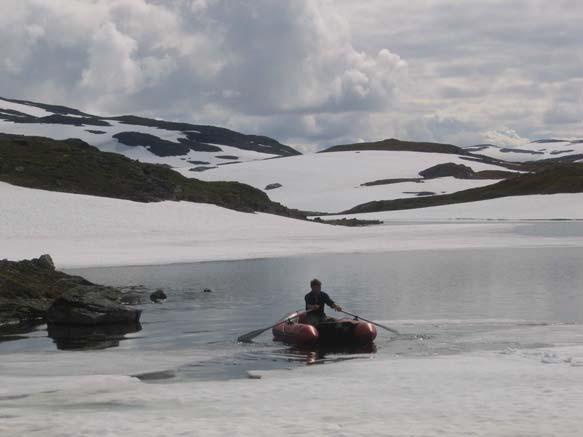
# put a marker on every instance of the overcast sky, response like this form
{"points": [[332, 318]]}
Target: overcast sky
{"points": [[308, 72]]}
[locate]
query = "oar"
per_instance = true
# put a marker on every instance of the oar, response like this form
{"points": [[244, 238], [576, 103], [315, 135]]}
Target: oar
{"points": [[246, 338], [394, 331]]}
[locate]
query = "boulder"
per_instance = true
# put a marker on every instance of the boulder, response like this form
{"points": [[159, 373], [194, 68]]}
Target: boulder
{"points": [[458, 171], [207, 290], [158, 295], [46, 262], [28, 287], [91, 305], [273, 186]]}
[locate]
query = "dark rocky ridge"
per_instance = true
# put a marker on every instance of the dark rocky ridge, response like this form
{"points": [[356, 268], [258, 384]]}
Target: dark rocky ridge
{"points": [[548, 179], [448, 169], [393, 144], [75, 167], [198, 136]]}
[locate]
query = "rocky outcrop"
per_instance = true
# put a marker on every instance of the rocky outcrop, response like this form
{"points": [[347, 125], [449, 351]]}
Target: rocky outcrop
{"points": [[27, 288], [458, 171], [33, 291], [91, 305]]}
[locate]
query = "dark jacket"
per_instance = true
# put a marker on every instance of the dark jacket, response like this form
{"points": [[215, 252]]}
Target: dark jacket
{"points": [[320, 299]]}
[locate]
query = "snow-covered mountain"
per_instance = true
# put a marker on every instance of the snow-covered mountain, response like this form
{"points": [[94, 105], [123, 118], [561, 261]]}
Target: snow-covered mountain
{"points": [[344, 177], [333, 182], [564, 150], [148, 140]]}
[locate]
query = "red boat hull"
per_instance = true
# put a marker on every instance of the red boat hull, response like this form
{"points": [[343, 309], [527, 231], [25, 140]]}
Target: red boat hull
{"points": [[334, 332]]}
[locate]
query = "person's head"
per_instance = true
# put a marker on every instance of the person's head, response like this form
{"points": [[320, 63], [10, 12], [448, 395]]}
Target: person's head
{"points": [[316, 285]]}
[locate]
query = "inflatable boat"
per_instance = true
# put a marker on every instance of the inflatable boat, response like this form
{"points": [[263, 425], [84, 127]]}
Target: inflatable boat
{"points": [[296, 330]]}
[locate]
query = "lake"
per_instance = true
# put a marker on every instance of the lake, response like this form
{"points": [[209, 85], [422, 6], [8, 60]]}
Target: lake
{"points": [[434, 298]]}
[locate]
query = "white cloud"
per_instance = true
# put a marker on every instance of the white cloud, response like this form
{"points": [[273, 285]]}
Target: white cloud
{"points": [[504, 137], [306, 71]]}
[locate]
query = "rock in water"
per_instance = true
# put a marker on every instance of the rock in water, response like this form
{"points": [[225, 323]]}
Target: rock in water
{"points": [[158, 295], [273, 186], [28, 288], [91, 305]]}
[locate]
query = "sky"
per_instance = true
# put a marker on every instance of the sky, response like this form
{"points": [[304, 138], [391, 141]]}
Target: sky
{"points": [[310, 73]]}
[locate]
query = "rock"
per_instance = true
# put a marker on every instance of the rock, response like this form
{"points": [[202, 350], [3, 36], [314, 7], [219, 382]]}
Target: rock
{"points": [[458, 171], [273, 186], [91, 305], [207, 290], [46, 262], [201, 168], [19, 169], [158, 295], [28, 287]]}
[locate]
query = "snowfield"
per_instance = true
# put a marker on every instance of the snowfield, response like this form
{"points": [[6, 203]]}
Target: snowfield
{"points": [[81, 231], [331, 182], [533, 151], [497, 393]]}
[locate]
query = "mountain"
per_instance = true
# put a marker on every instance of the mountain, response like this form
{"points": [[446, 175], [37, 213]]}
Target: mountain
{"points": [[73, 166], [555, 179], [393, 144], [332, 182], [539, 150], [181, 145], [388, 173]]}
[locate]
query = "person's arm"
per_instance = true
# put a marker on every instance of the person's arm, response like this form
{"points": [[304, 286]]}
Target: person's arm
{"points": [[332, 304]]}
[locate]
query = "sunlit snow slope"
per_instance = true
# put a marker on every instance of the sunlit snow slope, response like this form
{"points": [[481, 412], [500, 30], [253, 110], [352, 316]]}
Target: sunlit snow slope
{"points": [[332, 182]]}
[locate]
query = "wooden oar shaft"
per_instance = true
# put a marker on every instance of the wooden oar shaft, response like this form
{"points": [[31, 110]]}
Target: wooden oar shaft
{"points": [[394, 331], [246, 338]]}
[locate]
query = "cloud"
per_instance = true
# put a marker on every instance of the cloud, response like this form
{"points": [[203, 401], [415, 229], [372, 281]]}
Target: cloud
{"points": [[504, 137], [306, 71]]}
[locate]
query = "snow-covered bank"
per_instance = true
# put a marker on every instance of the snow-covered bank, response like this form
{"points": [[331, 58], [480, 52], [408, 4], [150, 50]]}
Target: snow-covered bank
{"points": [[331, 182], [81, 231], [498, 393], [536, 207]]}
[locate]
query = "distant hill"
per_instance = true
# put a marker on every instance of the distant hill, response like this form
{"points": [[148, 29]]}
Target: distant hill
{"points": [[393, 144], [539, 150], [73, 166], [557, 178], [146, 139]]}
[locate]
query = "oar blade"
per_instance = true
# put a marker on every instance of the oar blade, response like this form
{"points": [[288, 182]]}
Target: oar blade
{"points": [[246, 338]]}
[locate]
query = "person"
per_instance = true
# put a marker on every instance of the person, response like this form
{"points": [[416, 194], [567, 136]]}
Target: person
{"points": [[315, 301]]}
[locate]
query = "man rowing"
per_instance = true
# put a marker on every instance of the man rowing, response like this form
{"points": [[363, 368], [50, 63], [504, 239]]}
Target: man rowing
{"points": [[315, 301]]}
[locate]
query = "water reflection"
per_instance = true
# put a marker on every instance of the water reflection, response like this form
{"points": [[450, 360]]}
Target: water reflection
{"points": [[329, 354], [68, 337], [16, 331]]}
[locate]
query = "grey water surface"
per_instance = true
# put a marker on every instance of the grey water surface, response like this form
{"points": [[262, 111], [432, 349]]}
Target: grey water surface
{"points": [[481, 290]]}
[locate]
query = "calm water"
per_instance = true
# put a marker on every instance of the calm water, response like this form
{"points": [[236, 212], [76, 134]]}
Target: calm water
{"points": [[479, 289]]}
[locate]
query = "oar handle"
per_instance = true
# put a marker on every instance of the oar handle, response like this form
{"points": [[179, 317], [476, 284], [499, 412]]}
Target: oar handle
{"points": [[394, 331]]}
